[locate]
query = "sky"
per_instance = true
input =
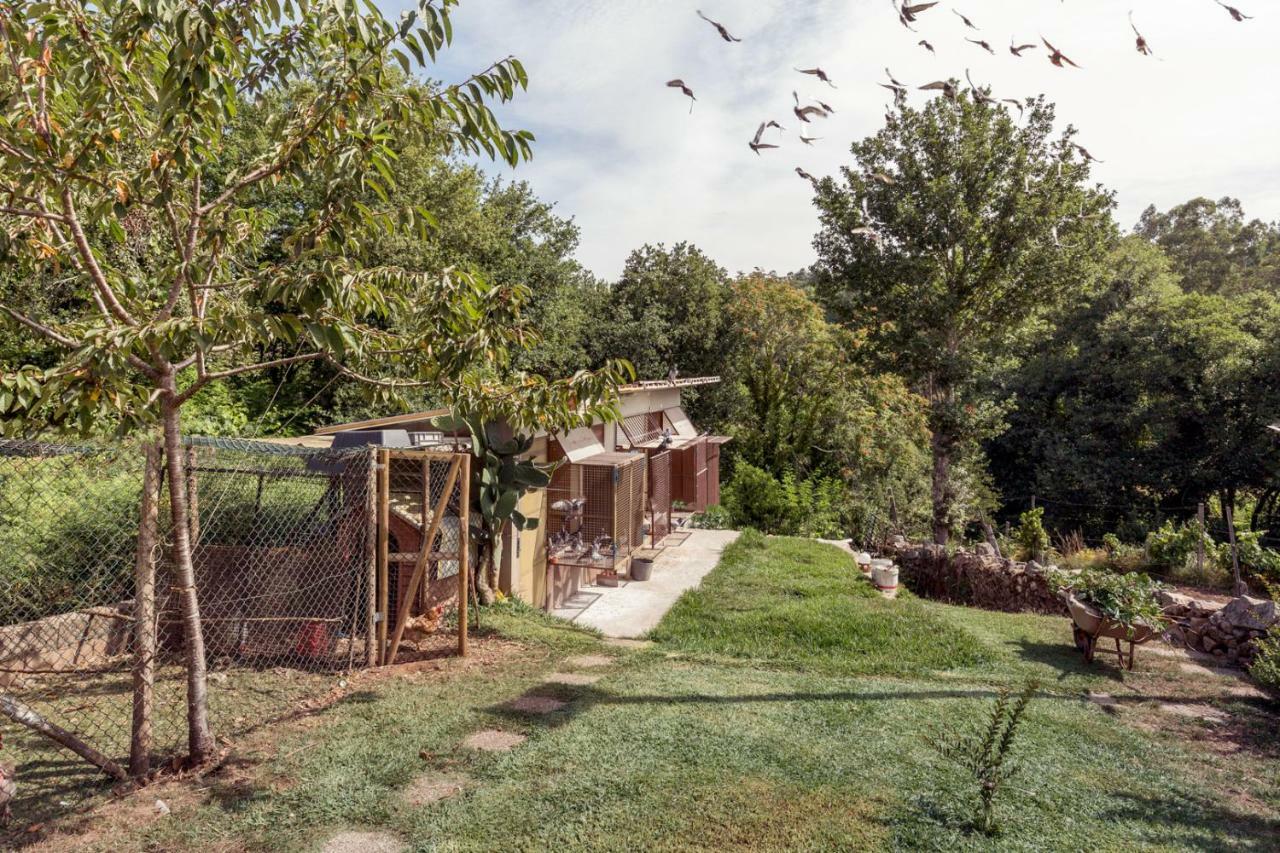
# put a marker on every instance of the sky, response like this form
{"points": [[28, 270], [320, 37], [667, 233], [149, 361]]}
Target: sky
{"points": [[620, 153]]}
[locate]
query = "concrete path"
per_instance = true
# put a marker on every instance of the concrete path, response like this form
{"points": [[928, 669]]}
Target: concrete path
{"points": [[634, 607]]}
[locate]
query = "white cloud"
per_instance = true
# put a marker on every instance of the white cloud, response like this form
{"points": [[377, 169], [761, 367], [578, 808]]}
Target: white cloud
{"points": [[620, 152]]}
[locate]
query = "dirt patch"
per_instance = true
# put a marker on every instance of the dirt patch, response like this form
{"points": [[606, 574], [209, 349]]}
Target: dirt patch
{"points": [[494, 740], [577, 679], [432, 788], [364, 842], [1207, 713], [588, 661], [622, 643], [1105, 701], [538, 705]]}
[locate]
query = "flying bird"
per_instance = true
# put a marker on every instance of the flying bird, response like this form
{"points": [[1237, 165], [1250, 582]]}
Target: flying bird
{"points": [[1084, 152], [1234, 12], [968, 23], [884, 178], [980, 95], [810, 178], [680, 84], [755, 144], [908, 13], [1143, 47], [1056, 56], [1017, 49], [948, 88], [803, 113], [925, 44], [1015, 102], [982, 44], [819, 73], [809, 140], [720, 28]]}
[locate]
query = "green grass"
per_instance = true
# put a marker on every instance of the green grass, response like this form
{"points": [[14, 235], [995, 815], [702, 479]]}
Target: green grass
{"points": [[745, 735], [786, 602]]}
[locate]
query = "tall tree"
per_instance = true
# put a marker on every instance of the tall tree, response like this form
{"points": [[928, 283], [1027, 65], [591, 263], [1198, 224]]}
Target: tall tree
{"points": [[1214, 248], [113, 178], [951, 235]]}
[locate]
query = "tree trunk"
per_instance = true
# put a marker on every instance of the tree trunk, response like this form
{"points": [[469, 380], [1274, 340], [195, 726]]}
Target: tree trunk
{"points": [[24, 716], [199, 739], [480, 579], [144, 616], [940, 491]]}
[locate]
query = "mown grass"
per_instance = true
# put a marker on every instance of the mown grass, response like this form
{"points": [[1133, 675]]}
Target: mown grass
{"points": [[725, 739]]}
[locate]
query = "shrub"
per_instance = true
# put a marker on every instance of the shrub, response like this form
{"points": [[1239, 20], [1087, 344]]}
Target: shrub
{"points": [[715, 517], [1265, 668], [1032, 538], [812, 507], [1129, 599]]}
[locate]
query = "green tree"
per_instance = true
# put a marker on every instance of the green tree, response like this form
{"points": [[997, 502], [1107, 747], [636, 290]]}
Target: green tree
{"points": [[112, 142], [1214, 248], [974, 227]]}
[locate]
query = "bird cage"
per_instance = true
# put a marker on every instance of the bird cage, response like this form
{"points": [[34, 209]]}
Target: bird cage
{"points": [[596, 511]]}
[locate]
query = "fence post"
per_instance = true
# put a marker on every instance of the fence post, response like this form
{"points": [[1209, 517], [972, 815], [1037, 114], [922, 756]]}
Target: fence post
{"points": [[1200, 540], [144, 614], [193, 498], [384, 524], [371, 563], [1240, 588], [464, 552]]}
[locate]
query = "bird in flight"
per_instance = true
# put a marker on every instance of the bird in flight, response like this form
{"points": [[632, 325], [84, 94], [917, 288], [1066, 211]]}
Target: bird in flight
{"points": [[884, 178], [1084, 152], [810, 178], [948, 88], [1143, 47], [803, 113], [680, 84], [1015, 102], [907, 14], [968, 23], [980, 95], [982, 44], [720, 28], [819, 73], [809, 140], [1056, 56], [1017, 49], [925, 44], [755, 144], [1234, 12]]}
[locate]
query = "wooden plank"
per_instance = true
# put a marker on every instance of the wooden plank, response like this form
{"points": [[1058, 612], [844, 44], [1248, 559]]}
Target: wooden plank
{"points": [[419, 568], [464, 553], [384, 530], [144, 615]]}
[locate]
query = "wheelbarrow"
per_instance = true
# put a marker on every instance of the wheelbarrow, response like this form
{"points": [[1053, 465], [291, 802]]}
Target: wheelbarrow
{"points": [[1091, 626]]}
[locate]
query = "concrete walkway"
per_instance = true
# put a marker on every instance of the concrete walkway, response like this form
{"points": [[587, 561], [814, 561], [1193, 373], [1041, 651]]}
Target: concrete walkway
{"points": [[632, 608]]}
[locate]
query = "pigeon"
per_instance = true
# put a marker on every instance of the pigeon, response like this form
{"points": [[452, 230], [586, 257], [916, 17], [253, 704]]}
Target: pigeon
{"points": [[720, 28], [810, 178], [1017, 49], [925, 44], [1143, 47], [803, 113], [982, 44], [673, 374], [1056, 56], [1015, 102], [948, 88], [755, 144], [980, 95], [907, 14], [887, 180], [968, 23], [809, 140], [819, 73], [1234, 12], [1084, 152], [680, 84]]}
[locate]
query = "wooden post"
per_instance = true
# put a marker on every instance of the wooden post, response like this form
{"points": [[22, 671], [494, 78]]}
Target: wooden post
{"points": [[464, 552], [384, 525], [371, 539], [1240, 588], [144, 615], [1200, 540], [193, 498], [426, 502]]}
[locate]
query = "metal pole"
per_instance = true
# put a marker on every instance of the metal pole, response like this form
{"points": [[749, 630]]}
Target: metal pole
{"points": [[371, 562], [384, 523], [464, 552]]}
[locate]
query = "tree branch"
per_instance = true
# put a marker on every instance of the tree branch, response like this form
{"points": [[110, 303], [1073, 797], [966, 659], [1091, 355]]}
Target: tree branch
{"points": [[99, 279], [35, 326]]}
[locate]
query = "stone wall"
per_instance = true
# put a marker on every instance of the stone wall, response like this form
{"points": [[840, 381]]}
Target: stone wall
{"points": [[975, 577], [1228, 630]]}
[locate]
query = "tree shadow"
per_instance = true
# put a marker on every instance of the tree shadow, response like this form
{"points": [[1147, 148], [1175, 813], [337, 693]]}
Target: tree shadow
{"points": [[1067, 660], [1198, 821]]}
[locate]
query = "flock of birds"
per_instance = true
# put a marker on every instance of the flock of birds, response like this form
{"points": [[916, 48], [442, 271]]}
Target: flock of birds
{"points": [[807, 111]]}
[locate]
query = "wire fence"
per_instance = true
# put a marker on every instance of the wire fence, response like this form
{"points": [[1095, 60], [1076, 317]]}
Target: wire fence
{"points": [[293, 591]]}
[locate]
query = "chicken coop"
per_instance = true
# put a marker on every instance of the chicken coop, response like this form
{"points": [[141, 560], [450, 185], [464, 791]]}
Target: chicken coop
{"points": [[595, 516], [692, 464]]}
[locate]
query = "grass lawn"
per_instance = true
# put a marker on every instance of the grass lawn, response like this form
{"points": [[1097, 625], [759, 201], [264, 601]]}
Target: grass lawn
{"points": [[781, 707]]}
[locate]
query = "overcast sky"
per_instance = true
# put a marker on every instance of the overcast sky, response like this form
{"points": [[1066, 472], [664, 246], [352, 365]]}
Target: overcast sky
{"points": [[621, 154]]}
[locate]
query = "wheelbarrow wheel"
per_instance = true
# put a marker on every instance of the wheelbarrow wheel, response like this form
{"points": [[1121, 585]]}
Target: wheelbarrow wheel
{"points": [[1081, 637], [1089, 645]]}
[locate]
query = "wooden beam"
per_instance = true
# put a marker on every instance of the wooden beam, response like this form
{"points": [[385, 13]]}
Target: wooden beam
{"points": [[419, 568]]}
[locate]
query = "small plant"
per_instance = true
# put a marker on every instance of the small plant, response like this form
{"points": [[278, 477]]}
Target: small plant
{"points": [[1031, 536], [1128, 599], [714, 517], [1265, 669], [1111, 544], [982, 750]]}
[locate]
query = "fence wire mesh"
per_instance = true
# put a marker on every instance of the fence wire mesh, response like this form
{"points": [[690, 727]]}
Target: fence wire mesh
{"points": [[286, 561]]}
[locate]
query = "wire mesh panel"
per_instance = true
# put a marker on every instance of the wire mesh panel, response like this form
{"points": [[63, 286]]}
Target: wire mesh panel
{"points": [[596, 511], [424, 555], [659, 496]]}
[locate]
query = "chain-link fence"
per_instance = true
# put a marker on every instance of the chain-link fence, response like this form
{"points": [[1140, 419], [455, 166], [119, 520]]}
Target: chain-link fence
{"points": [[297, 556]]}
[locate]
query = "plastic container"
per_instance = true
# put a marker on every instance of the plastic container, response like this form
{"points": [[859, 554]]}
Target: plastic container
{"points": [[641, 568]]}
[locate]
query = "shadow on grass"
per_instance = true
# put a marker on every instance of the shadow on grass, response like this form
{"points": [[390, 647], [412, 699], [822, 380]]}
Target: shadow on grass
{"points": [[1067, 660], [1196, 820]]}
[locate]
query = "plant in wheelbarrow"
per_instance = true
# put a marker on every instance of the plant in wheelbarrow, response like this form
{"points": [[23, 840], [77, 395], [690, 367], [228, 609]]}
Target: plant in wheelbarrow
{"points": [[1123, 608]]}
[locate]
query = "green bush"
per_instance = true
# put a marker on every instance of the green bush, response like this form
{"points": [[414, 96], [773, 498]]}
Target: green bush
{"points": [[814, 507], [1032, 538], [714, 517], [1129, 599], [1265, 668]]}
